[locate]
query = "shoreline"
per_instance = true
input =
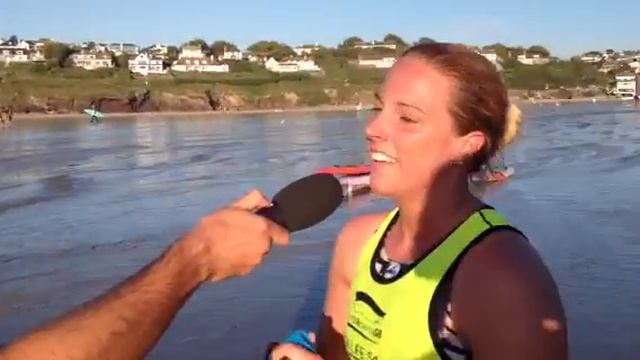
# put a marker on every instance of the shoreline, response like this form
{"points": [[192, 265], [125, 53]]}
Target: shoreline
{"points": [[74, 115], [321, 108]]}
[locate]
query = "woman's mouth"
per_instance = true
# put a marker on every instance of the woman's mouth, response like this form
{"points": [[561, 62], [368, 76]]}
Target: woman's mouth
{"points": [[380, 157]]}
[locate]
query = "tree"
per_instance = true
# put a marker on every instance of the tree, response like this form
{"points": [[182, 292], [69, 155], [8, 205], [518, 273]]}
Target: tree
{"points": [[91, 45], [121, 61], [425, 40], [540, 50], [270, 48], [395, 39], [13, 40], [172, 55], [350, 42], [218, 47], [57, 53], [199, 42]]}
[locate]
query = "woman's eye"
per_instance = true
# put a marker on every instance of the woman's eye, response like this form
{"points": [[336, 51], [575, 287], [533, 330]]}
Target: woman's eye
{"points": [[407, 119]]}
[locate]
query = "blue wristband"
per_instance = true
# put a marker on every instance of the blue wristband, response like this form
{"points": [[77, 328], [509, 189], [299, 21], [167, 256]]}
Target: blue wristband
{"points": [[301, 338]]}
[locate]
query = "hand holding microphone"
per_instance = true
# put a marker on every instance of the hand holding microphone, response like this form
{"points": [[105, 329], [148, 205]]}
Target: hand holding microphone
{"points": [[234, 240]]}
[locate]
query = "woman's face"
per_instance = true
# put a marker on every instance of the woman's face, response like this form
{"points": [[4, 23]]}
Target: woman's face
{"points": [[412, 136]]}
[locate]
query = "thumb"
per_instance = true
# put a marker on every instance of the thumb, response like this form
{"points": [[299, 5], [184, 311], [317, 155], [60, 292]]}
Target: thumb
{"points": [[278, 234], [251, 201]]}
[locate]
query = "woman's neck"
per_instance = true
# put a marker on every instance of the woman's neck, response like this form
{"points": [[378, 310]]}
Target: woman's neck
{"points": [[425, 218]]}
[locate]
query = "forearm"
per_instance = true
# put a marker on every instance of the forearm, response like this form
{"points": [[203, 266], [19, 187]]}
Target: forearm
{"points": [[126, 322]]}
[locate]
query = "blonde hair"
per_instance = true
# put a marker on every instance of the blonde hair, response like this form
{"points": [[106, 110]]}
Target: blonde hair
{"points": [[512, 126]]}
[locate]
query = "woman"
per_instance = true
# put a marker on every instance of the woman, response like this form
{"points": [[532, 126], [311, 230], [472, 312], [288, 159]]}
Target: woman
{"points": [[442, 276]]}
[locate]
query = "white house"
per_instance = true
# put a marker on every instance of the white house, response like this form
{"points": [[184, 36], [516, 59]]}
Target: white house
{"points": [[306, 49], [533, 59], [592, 57], [192, 59], [232, 55], [291, 66], [92, 60], [493, 57], [375, 45], [199, 65], [378, 62], [147, 64], [158, 49], [626, 83], [124, 48], [13, 54], [191, 52]]}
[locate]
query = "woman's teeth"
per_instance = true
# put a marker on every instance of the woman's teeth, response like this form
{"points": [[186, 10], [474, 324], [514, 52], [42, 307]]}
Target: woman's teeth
{"points": [[382, 157]]}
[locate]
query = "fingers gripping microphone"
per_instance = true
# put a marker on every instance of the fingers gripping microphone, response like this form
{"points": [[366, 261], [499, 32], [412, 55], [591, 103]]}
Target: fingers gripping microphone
{"points": [[305, 202]]}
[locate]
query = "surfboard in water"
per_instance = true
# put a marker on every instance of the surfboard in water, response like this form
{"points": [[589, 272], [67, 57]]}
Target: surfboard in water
{"points": [[92, 113]]}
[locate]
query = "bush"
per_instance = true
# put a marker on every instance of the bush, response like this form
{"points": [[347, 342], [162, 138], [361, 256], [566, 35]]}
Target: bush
{"points": [[39, 68], [313, 97], [563, 94]]}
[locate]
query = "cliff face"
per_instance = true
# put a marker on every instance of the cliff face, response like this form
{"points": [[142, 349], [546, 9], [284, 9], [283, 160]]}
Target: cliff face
{"points": [[206, 101]]}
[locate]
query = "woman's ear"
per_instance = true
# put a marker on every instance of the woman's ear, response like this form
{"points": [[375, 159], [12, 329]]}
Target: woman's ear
{"points": [[471, 144]]}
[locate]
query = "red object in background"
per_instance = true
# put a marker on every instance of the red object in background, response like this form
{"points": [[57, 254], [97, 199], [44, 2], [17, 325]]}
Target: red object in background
{"points": [[345, 170]]}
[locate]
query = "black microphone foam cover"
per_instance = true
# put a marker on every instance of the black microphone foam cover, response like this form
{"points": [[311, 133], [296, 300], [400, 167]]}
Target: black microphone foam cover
{"points": [[305, 202]]}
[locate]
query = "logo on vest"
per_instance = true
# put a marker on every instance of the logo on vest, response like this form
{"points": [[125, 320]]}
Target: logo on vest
{"points": [[366, 318]]}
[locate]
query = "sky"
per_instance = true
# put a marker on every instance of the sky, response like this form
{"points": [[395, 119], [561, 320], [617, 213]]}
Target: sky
{"points": [[566, 28]]}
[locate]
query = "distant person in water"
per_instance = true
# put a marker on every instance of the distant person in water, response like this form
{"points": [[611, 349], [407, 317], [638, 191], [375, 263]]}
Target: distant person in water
{"points": [[6, 116], [94, 118]]}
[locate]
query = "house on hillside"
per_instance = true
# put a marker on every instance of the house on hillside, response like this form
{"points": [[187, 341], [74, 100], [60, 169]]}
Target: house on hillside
{"points": [[290, 66], [493, 57], [375, 61], [124, 48], [13, 54], [626, 83], [376, 45], [592, 57], [191, 52], [205, 65], [306, 49], [146, 64], [231, 55], [92, 60], [192, 59], [159, 50], [531, 58], [609, 54]]}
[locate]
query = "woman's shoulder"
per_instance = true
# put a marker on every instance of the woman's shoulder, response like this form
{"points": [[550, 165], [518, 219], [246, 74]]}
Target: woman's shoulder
{"points": [[352, 239], [503, 283]]}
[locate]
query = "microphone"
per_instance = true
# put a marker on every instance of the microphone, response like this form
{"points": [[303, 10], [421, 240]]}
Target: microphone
{"points": [[305, 202]]}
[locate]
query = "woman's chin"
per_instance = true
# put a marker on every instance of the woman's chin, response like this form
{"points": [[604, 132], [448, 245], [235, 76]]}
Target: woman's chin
{"points": [[381, 187]]}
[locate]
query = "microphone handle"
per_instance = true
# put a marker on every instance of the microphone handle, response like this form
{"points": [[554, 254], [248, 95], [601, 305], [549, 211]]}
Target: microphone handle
{"points": [[275, 214]]}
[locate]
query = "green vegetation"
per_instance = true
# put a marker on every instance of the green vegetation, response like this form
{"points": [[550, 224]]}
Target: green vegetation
{"points": [[219, 47], [57, 53], [274, 49], [341, 82]]}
